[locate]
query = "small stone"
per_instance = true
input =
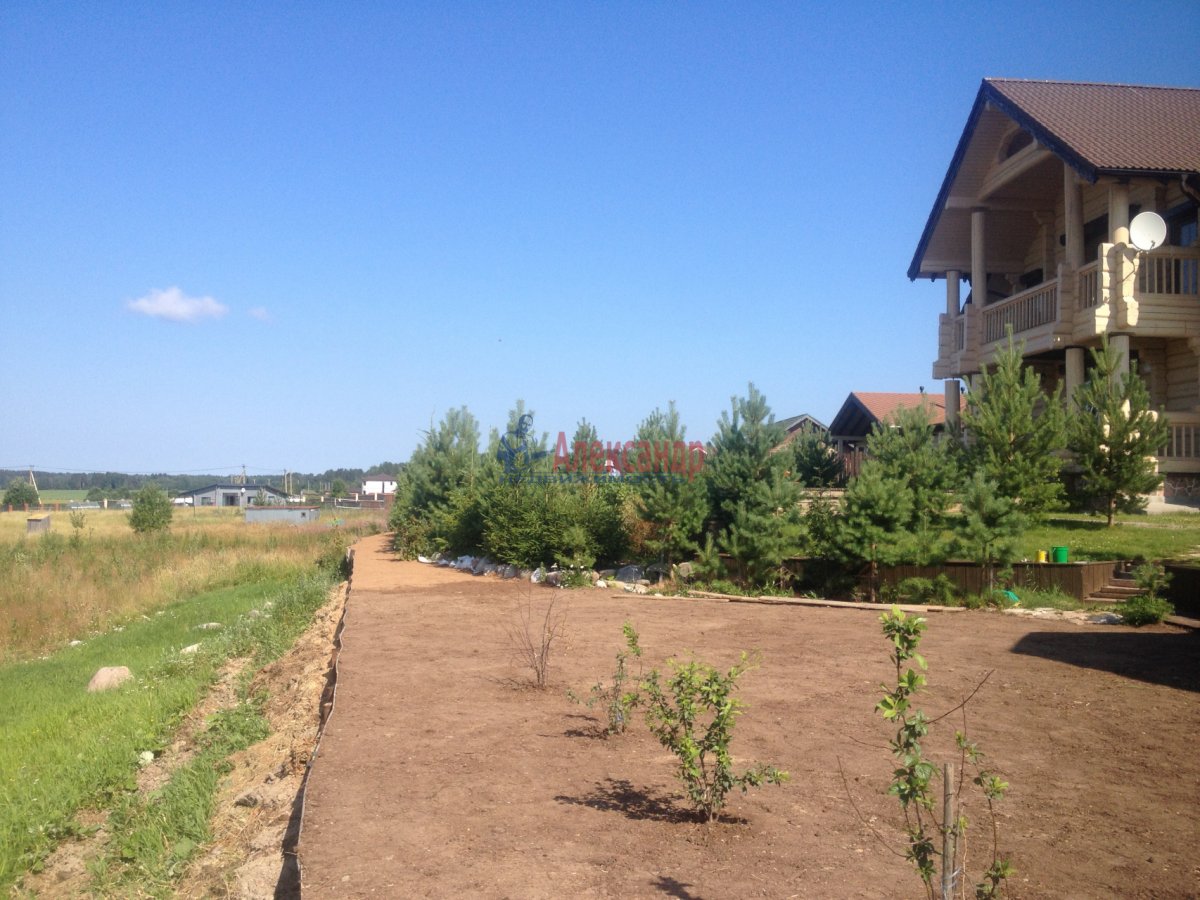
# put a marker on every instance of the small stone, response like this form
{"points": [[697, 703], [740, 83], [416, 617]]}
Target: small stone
{"points": [[601, 583], [75, 644], [209, 626], [189, 649], [109, 677], [248, 799]]}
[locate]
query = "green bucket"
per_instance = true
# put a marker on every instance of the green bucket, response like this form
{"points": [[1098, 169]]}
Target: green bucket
{"points": [[1058, 554]]}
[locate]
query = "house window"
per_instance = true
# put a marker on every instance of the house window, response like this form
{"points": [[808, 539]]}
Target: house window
{"points": [[1032, 278], [1181, 225]]}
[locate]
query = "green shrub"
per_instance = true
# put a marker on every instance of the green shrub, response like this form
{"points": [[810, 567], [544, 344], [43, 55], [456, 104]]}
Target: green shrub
{"points": [[20, 493], [1145, 610], [617, 699], [152, 510], [694, 718], [939, 591]]}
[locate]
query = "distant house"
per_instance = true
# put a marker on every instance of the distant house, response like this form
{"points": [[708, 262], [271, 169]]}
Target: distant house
{"points": [[236, 495], [801, 424], [863, 410], [378, 483]]}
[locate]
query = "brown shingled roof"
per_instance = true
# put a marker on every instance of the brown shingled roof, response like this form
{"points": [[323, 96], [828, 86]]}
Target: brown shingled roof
{"points": [[1112, 127], [1120, 130], [863, 409], [883, 405]]}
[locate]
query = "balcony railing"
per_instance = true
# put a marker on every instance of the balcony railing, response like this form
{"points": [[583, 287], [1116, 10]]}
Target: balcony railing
{"points": [[1170, 270], [1089, 285], [1023, 312], [1183, 439]]}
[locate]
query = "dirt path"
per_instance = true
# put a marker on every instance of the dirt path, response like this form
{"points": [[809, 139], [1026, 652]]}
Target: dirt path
{"points": [[442, 775]]}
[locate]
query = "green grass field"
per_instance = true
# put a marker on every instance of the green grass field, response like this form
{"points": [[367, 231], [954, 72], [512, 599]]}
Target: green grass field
{"points": [[63, 749], [61, 496], [1160, 537]]}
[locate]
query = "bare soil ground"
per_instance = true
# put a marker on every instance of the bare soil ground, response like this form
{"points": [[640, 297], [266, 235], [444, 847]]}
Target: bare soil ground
{"points": [[442, 774]]}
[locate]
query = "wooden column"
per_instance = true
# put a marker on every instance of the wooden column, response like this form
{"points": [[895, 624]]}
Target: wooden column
{"points": [[1073, 217], [1120, 342], [1074, 374], [1118, 213], [953, 398], [953, 279], [979, 290]]}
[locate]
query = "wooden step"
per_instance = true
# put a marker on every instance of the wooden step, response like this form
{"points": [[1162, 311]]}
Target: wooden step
{"points": [[1116, 591]]}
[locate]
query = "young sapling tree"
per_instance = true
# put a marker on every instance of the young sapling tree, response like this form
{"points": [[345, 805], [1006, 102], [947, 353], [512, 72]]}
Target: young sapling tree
{"points": [[913, 777], [693, 716], [618, 699]]}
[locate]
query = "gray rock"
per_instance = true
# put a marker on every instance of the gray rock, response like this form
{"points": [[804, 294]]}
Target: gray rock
{"points": [[190, 649], [75, 644], [601, 583], [209, 626], [1106, 619], [109, 677], [630, 573], [684, 570], [554, 578], [248, 799]]}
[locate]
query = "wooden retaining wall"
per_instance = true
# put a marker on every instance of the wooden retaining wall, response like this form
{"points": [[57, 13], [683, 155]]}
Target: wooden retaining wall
{"points": [[1078, 580]]}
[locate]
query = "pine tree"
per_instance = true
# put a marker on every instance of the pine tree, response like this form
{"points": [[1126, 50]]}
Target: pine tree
{"points": [[1015, 432], [814, 462], [1115, 436], [673, 506], [871, 530], [753, 498], [991, 525], [906, 452]]}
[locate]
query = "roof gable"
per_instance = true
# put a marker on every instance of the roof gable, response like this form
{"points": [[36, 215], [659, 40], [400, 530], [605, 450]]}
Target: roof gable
{"points": [[865, 409], [1096, 129]]}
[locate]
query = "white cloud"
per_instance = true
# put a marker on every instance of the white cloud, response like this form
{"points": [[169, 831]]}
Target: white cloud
{"points": [[260, 313], [175, 306]]}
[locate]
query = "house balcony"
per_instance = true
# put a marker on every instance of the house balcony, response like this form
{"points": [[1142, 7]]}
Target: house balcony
{"points": [[1141, 294]]}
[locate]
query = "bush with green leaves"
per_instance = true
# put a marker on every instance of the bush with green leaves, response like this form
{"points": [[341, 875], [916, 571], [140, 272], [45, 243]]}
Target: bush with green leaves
{"points": [[617, 699], [152, 510], [20, 493], [1150, 608], [693, 716], [913, 777], [939, 591]]}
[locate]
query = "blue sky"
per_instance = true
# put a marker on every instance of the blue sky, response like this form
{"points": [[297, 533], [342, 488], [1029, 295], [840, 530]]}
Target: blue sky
{"points": [[291, 236]]}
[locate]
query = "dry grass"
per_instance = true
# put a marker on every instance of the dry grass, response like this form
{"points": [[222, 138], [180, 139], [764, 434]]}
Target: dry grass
{"points": [[70, 583]]}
